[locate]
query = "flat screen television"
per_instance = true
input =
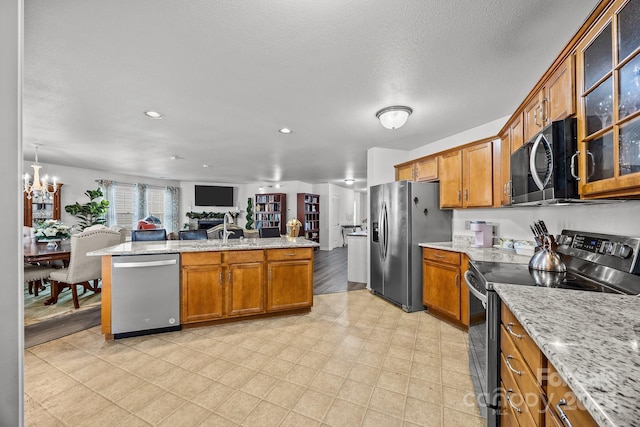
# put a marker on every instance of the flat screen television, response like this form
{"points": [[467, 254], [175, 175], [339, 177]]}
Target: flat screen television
{"points": [[211, 195]]}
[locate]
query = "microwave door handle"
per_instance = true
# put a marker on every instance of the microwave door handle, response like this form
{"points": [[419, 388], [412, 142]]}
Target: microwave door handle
{"points": [[532, 163], [572, 167]]}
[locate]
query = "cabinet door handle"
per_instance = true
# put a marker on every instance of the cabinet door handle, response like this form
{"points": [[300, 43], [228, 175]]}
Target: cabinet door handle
{"points": [[563, 417], [229, 277], [515, 408], [509, 325], [220, 277], [544, 115], [466, 195], [515, 371], [457, 280], [459, 195], [270, 275]]}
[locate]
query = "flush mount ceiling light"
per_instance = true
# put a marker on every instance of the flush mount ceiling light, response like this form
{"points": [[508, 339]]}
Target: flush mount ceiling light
{"points": [[394, 117], [153, 115], [285, 130], [349, 181]]}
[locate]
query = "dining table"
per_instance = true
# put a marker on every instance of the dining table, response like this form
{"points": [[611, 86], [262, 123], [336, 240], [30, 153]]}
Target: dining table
{"points": [[40, 253]]}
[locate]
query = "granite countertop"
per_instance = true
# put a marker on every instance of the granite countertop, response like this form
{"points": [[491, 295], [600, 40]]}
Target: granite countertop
{"points": [[592, 339], [480, 254], [177, 246]]}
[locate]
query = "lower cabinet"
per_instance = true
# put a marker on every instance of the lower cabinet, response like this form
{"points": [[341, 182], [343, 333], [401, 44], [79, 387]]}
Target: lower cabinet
{"points": [[290, 279], [533, 393], [443, 289], [229, 284]]}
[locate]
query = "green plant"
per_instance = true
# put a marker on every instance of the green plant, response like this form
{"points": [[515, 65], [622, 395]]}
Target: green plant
{"points": [[90, 213], [249, 217]]}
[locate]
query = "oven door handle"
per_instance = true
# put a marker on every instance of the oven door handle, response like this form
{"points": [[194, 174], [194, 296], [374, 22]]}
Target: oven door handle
{"points": [[476, 293]]}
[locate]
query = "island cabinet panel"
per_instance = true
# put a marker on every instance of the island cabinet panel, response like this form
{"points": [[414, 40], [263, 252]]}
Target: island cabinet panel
{"points": [[563, 402], [290, 279], [245, 283], [202, 297]]}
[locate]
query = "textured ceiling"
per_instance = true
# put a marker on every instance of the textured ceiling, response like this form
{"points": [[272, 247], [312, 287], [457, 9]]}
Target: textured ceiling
{"points": [[228, 74]]}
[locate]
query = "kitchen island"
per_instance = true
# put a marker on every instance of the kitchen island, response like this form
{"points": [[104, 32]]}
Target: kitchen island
{"points": [[593, 341], [219, 282]]}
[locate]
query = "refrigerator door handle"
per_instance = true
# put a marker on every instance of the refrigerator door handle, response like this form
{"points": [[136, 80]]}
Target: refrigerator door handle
{"points": [[385, 231]]}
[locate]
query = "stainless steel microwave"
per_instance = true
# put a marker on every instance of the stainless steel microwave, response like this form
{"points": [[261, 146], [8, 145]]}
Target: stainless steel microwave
{"points": [[544, 170]]}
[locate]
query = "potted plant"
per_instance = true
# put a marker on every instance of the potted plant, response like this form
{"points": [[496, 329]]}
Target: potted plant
{"points": [[249, 217], [90, 213]]}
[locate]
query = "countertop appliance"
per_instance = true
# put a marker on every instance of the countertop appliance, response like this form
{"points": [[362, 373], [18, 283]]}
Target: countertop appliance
{"points": [[595, 262], [145, 294], [403, 214], [544, 170], [483, 234]]}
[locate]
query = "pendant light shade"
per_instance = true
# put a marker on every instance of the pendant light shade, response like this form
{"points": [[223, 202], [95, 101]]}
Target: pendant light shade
{"points": [[394, 117]]}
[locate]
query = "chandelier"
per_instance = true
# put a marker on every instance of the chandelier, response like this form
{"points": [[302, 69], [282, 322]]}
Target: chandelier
{"points": [[39, 188]]}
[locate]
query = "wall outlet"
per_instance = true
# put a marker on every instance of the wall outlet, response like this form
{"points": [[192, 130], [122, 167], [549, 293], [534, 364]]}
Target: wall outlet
{"points": [[467, 225]]}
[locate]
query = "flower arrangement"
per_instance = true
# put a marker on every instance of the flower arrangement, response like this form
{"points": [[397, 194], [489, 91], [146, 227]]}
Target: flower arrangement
{"points": [[51, 229]]}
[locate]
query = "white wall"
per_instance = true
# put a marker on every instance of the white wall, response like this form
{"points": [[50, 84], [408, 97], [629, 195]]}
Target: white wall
{"points": [[78, 180]]}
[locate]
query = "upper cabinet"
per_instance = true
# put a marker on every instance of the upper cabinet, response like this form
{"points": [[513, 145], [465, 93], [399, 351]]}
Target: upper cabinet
{"points": [[466, 177], [423, 169], [608, 77], [554, 101]]}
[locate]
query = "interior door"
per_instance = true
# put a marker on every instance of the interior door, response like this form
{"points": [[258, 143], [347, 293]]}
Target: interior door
{"points": [[334, 221]]}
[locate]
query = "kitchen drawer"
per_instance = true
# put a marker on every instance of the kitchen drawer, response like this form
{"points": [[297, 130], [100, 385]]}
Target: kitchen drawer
{"points": [[558, 390], [438, 255], [237, 257], [515, 399], [528, 348], [289, 254], [517, 366], [507, 414], [551, 420], [200, 258]]}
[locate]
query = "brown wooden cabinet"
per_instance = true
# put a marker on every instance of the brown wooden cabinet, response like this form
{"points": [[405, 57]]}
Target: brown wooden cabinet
{"points": [[423, 169], [201, 287], [607, 63], [516, 132], [443, 289], [245, 283], [466, 177], [290, 279], [39, 208], [532, 388]]}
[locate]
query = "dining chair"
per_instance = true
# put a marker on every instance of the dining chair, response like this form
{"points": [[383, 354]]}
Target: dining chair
{"points": [[269, 232], [120, 229], [148, 235], [193, 234], [82, 268], [34, 276]]}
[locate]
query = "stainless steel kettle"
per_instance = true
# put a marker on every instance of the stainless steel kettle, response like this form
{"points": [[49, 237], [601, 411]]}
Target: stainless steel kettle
{"points": [[546, 266]]}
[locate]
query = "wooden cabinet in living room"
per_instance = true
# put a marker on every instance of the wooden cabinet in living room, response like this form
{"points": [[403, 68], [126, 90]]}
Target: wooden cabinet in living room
{"points": [[309, 215], [443, 290], [466, 176], [289, 279], [271, 211]]}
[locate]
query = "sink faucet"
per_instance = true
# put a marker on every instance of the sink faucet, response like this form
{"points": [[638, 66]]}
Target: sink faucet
{"points": [[225, 233]]}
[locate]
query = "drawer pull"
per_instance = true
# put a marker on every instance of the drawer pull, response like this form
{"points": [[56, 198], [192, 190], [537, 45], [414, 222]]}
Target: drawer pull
{"points": [[509, 325], [515, 408], [563, 417], [515, 371], [439, 256], [293, 254]]}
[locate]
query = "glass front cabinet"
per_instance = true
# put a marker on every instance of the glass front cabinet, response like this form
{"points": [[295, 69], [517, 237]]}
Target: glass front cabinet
{"points": [[608, 85]]}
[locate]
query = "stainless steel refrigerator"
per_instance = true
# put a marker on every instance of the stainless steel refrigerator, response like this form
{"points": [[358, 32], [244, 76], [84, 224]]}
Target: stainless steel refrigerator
{"points": [[404, 214]]}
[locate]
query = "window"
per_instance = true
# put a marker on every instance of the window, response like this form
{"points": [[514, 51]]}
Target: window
{"points": [[155, 202], [124, 205]]}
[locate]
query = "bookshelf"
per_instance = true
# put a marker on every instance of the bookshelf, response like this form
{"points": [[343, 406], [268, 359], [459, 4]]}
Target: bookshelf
{"points": [[309, 215], [271, 211]]}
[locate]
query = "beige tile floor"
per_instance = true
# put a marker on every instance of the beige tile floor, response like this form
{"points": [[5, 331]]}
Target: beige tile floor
{"points": [[355, 360]]}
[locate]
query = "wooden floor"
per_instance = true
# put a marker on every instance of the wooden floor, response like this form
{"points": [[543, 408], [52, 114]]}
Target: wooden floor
{"points": [[329, 276], [330, 272]]}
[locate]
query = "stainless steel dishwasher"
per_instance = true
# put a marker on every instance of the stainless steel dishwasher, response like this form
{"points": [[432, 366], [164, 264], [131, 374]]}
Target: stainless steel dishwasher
{"points": [[145, 294]]}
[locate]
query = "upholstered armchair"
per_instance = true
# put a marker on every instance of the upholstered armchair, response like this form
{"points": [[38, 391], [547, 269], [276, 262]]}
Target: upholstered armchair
{"points": [[82, 268]]}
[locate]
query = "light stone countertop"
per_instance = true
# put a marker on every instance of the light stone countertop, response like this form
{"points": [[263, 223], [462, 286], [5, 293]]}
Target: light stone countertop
{"points": [[592, 339], [480, 254], [177, 246]]}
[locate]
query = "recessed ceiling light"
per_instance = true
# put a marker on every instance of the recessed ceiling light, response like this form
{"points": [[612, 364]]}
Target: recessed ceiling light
{"points": [[205, 166], [349, 181], [153, 114], [176, 158], [285, 130]]}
